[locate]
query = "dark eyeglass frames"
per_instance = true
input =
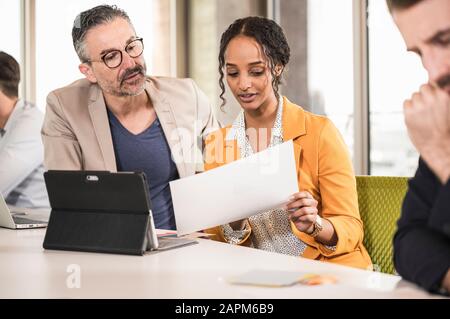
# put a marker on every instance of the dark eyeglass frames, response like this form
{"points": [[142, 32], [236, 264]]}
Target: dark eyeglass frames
{"points": [[114, 58]]}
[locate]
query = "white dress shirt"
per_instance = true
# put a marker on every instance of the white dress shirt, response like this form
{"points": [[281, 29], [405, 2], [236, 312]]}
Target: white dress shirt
{"points": [[21, 157]]}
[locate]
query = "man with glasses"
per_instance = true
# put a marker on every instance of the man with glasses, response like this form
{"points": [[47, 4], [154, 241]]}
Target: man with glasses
{"points": [[21, 151], [118, 119], [422, 241]]}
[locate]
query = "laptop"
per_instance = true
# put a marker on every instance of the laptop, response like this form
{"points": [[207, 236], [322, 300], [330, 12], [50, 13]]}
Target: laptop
{"points": [[100, 211], [17, 218]]}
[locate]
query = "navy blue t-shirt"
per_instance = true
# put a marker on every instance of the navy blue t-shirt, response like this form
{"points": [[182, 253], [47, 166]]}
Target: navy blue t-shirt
{"points": [[148, 152]]}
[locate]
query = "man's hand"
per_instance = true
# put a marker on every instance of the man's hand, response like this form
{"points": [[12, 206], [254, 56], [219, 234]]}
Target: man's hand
{"points": [[427, 117]]}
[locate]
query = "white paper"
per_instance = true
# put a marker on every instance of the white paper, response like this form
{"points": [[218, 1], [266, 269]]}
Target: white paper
{"points": [[235, 191]]}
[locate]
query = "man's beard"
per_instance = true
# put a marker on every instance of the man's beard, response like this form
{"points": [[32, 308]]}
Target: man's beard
{"points": [[122, 90], [141, 70]]}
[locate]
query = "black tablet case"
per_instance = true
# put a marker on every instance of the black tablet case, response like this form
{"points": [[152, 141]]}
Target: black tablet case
{"points": [[97, 212]]}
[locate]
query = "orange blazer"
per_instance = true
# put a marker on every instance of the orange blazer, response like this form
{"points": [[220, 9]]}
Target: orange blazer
{"points": [[324, 169]]}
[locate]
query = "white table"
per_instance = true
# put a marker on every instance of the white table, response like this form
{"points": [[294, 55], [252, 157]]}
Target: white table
{"points": [[198, 271]]}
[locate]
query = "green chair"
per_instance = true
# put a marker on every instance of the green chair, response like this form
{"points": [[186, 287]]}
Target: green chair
{"points": [[380, 200]]}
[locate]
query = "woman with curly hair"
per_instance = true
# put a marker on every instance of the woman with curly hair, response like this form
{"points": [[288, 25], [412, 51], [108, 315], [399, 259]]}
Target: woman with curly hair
{"points": [[321, 221]]}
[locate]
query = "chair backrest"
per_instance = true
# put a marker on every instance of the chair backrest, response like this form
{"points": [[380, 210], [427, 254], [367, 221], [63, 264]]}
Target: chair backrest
{"points": [[380, 200]]}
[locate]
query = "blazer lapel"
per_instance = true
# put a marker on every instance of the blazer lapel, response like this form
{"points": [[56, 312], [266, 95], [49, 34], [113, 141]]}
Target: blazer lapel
{"points": [[168, 123], [294, 126], [100, 121], [294, 121]]}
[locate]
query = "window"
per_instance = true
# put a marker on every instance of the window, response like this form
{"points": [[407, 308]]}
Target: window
{"points": [[320, 74], [330, 63], [57, 62], [394, 75]]}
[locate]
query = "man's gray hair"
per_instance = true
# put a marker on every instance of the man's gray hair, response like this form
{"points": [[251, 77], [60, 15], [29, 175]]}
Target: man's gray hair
{"points": [[89, 19]]}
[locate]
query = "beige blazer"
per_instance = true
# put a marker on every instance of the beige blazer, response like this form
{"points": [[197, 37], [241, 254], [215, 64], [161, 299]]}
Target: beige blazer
{"points": [[77, 136]]}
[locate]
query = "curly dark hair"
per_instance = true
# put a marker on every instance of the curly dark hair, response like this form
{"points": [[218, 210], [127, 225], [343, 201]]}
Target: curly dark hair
{"points": [[269, 35]]}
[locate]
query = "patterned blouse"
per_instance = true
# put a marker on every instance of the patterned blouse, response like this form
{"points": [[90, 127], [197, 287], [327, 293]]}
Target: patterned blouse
{"points": [[271, 230]]}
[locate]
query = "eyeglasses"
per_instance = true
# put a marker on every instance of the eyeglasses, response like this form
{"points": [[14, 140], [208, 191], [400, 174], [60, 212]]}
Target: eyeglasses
{"points": [[114, 58]]}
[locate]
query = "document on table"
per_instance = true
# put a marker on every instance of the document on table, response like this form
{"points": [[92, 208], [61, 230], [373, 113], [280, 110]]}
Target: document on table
{"points": [[235, 191]]}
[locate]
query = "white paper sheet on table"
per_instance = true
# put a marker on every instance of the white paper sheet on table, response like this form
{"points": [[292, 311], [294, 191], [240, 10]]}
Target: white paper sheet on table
{"points": [[235, 191]]}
